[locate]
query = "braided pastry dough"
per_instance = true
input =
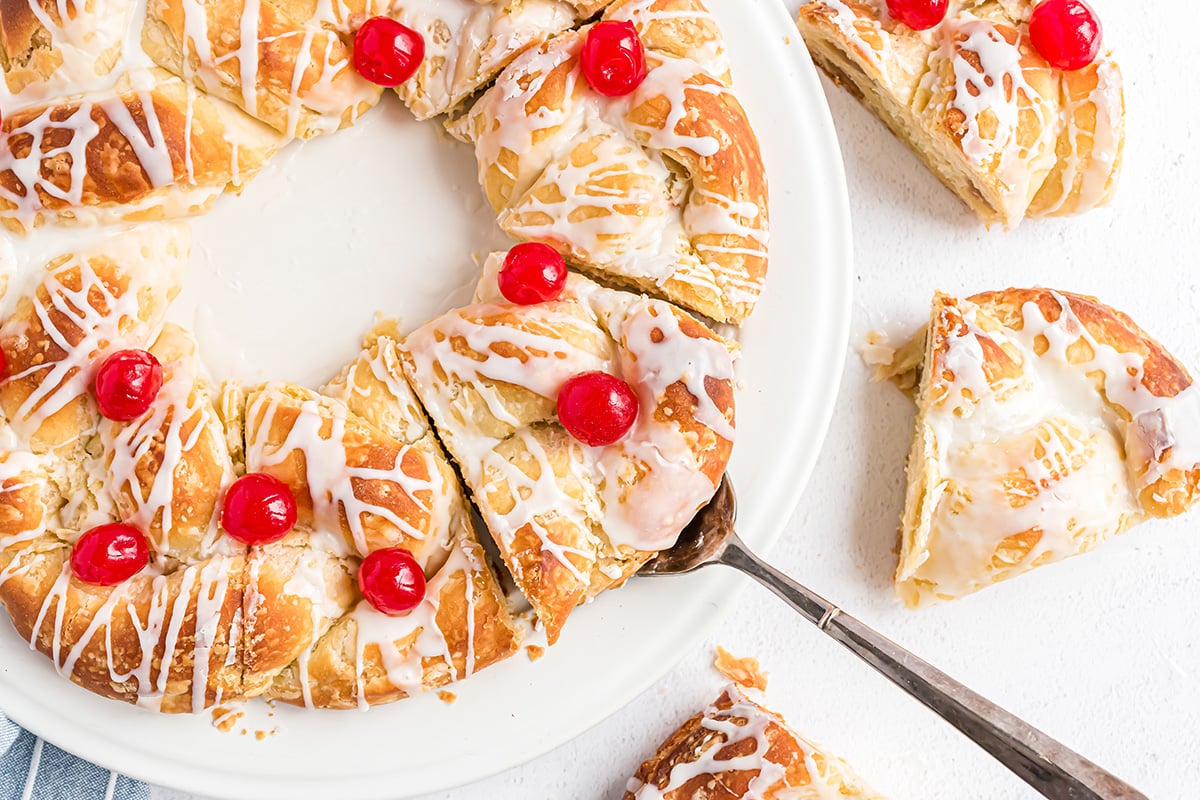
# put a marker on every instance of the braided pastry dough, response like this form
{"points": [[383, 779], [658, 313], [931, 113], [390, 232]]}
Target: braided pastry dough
{"points": [[210, 620], [168, 638], [571, 520], [662, 190], [1005, 131], [738, 750], [1047, 424]]}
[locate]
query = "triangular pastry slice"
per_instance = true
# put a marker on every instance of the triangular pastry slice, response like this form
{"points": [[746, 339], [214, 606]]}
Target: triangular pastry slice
{"points": [[1047, 423], [1009, 134], [571, 520], [738, 749], [663, 190], [367, 473]]}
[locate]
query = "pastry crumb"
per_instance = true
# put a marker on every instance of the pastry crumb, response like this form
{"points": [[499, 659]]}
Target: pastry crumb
{"points": [[742, 671], [447, 697], [898, 363], [226, 718], [534, 652]]}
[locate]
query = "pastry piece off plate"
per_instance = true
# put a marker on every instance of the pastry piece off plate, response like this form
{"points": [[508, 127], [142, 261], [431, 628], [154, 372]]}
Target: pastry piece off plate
{"points": [[284, 282]]}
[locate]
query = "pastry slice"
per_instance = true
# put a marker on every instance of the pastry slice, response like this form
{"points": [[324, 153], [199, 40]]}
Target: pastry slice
{"points": [[662, 190], [281, 62], [739, 750], [150, 147], [1047, 423], [1011, 135], [571, 520], [367, 474]]}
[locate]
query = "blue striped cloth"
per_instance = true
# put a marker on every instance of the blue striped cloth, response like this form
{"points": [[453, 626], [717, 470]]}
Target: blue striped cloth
{"points": [[33, 769]]}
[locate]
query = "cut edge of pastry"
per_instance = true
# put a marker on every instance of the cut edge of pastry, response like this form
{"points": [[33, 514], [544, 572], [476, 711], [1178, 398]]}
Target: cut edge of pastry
{"points": [[844, 69], [920, 471]]}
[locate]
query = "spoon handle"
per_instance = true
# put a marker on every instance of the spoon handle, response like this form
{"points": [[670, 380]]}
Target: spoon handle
{"points": [[1051, 768]]}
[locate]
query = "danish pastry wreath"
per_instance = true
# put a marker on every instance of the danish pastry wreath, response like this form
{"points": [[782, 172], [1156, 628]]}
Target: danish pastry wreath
{"points": [[177, 542]]}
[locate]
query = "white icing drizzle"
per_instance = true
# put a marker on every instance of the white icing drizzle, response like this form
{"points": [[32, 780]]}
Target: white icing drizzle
{"points": [[743, 720], [180, 416], [1085, 181], [318, 433], [999, 91]]}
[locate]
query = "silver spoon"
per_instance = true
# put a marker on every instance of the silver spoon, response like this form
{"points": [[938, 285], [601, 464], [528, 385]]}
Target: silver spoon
{"points": [[1048, 766]]}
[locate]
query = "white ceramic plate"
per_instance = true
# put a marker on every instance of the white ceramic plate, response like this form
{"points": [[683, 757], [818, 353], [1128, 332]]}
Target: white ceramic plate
{"points": [[385, 217]]}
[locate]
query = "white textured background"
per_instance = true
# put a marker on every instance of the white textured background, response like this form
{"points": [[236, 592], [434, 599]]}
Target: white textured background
{"points": [[1102, 651]]}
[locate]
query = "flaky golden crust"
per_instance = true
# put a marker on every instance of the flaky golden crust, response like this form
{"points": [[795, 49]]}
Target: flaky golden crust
{"points": [[1012, 136], [303, 83], [201, 147], [1047, 423], [570, 520], [663, 190], [763, 754]]}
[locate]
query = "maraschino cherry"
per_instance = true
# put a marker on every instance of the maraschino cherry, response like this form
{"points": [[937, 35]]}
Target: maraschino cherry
{"points": [[386, 52], [391, 580], [597, 408], [3, 366], [1066, 33], [920, 15], [533, 273], [109, 554], [613, 59], [127, 383], [258, 509]]}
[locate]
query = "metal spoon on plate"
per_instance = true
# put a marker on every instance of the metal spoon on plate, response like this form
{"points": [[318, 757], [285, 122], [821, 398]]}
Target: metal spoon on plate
{"points": [[1048, 766]]}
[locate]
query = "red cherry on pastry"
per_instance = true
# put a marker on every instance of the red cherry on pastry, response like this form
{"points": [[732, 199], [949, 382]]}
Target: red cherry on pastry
{"points": [[919, 15], [596, 408], [127, 383], [1066, 33], [387, 53], [3, 366], [613, 58], [109, 554], [258, 509], [533, 273], [392, 580]]}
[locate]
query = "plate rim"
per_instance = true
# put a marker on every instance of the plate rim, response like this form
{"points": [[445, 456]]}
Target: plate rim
{"points": [[786, 484]]}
